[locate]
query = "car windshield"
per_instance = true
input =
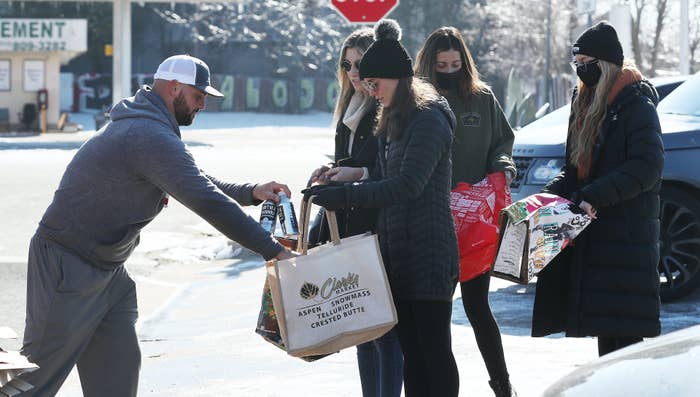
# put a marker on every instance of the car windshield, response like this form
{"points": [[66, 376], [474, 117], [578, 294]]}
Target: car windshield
{"points": [[684, 99]]}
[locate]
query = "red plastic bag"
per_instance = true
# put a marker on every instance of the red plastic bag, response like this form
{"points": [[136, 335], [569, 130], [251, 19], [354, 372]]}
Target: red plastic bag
{"points": [[475, 210]]}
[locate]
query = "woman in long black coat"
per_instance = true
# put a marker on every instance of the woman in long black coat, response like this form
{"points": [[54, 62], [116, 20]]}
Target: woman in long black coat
{"points": [[607, 283]]}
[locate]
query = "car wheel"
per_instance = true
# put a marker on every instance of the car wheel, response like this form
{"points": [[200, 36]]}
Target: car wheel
{"points": [[679, 263]]}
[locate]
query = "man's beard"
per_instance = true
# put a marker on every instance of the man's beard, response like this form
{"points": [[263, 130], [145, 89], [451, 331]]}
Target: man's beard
{"points": [[182, 114]]}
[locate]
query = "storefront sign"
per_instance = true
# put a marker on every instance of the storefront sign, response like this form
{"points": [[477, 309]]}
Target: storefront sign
{"points": [[25, 34]]}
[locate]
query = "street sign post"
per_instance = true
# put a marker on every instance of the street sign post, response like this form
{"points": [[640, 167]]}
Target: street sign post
{"points": [[364, 11], [585, 6]]}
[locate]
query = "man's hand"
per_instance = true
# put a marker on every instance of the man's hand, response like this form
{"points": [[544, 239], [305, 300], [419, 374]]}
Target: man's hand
{"points": [[268, 191], [317, 175], [286, 254], [588, 209], [344, 174]]}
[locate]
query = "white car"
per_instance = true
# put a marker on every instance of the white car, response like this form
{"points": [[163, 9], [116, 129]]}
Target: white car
{"points": [[658, 367]]}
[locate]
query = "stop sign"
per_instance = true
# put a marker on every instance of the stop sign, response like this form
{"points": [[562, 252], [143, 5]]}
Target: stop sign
{"points": [[364, 11]]}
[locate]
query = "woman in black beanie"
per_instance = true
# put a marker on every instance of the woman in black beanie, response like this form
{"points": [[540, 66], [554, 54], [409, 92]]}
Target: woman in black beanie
{"points": [[606, 284], [411, 188], [380, 362]]}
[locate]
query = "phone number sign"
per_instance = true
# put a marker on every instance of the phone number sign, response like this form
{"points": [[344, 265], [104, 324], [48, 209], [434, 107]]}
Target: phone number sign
{"points": [[24, 34]]}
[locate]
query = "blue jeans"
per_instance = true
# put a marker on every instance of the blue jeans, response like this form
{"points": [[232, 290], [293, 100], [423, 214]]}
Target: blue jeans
{"points": [[381, 366]]}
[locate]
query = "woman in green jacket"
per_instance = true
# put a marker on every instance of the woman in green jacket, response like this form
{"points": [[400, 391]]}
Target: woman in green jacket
{"points": [[483, 145]]}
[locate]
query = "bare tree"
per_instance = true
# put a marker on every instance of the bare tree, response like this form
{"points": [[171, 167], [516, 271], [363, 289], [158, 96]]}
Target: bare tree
{"points": [[651, 52], [418, 18], [661, 14], [636, 30], [297, 38], [694, 35]]}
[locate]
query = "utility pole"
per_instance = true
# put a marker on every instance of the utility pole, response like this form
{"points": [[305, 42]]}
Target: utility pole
{"points": [[586, 7], [121, 60], [684, 53], [548, 75]]}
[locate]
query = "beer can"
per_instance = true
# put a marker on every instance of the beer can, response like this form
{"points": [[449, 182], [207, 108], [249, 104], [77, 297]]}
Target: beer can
{"points": [[288, 219], [268, 215]]}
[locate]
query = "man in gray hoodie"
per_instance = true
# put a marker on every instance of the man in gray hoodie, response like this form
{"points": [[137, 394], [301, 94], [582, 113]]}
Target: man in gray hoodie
{"points": [[81, 302]]}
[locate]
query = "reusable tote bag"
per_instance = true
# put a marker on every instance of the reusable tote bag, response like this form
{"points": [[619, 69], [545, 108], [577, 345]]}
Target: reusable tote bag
{"points": [[333, 296]]}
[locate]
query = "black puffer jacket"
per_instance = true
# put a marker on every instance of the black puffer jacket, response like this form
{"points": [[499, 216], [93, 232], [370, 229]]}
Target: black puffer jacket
{"points": [[415, 225], [607, 284], [352, 221]]}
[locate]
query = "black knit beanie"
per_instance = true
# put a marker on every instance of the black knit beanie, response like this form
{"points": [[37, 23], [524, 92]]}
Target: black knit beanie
{"points": [[600, 41], [386, 58]]}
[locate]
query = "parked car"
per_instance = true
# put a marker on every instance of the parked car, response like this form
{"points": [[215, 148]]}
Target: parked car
{"points": [[539, 155], [663, 366]]}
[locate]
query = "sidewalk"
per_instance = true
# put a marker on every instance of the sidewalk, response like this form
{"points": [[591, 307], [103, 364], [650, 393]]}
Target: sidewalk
{"points": [[76, 122]]}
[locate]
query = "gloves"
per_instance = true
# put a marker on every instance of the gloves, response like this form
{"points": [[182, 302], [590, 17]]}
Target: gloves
{"points": [[330, 197]]}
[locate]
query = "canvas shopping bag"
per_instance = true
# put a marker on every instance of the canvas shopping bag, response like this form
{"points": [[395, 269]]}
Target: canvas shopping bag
{"points": [[332, 297], [534, 230], [475, 210]]}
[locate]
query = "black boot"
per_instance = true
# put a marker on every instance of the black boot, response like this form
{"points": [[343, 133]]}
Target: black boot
{"points": [[502, 388]]}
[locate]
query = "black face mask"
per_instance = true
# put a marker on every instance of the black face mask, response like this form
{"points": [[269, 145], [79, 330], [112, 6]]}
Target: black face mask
{"points": [[589, 74], [449, 81]]}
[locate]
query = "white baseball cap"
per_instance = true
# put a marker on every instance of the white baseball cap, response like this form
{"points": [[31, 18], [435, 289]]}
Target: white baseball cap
{"points": [[187, 70]]}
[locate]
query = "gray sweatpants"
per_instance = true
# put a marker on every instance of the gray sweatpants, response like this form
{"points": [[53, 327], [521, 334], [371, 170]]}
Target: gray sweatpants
{"points": [[79, 314]]}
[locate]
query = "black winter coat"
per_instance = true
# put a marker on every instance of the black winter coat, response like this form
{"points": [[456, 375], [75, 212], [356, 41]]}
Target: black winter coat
{"points": [[415, 225], [364, 154], [607, 284], [351, 221]]}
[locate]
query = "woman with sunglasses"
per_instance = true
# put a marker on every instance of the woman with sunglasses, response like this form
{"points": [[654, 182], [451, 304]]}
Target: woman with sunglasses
{"points": [[411, 189], [606, 284], [483, 145], [380, 362]]}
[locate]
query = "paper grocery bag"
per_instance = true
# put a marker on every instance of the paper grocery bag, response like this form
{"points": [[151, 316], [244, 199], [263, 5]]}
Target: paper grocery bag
{"points": [[533, 231]]}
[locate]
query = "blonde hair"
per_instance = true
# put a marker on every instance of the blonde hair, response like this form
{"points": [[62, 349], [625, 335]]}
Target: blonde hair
{"points": [[588, 113], [448, 38], [411, 93], [360, 39]]}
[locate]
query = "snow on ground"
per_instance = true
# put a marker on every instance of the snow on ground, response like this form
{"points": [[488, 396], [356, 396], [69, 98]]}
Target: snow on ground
{"points": [[199, 295]]}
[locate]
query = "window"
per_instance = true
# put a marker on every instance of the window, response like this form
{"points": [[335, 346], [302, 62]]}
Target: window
{"points": [[34, 75]]}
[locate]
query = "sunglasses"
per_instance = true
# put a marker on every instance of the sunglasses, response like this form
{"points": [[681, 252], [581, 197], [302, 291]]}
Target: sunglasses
{"points": [[583, 65], [347, 65]]}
